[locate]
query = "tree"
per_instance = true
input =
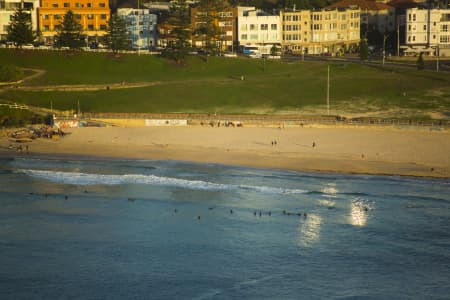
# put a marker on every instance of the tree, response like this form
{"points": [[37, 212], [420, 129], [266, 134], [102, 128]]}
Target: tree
{"points": [[180, 30], [420, 63], [70, 34], [117, 37], [363, 49], [209, 19], [274, 50], [19, 29]]}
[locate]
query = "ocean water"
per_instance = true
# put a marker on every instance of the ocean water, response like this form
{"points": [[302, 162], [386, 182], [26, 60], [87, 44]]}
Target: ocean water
{"points": [[93, 229]]}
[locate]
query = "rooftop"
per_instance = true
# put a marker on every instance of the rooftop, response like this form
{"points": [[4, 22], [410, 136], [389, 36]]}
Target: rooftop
{"points": [[362, 4]]}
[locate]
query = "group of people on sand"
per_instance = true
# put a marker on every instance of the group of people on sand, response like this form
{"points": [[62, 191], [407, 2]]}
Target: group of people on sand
{"points": [[219, 123]]}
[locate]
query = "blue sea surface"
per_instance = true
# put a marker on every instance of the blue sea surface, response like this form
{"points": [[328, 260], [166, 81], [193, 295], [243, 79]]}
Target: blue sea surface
{"points": [[127, 229]]}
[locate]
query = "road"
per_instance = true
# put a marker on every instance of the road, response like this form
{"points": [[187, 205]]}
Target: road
{"points": [[444, 65]]}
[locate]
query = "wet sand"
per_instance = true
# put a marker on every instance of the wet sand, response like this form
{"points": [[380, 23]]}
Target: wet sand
{"points": [[360, 150]]}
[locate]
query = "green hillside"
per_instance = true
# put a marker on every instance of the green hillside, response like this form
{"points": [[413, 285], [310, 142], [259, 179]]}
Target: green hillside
{"points": [[216, 86]]}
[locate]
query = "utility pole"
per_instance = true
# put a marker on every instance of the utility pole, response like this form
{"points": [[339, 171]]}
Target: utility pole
{"points": [[384, 46], [328, 91], [437, 58], [398, 38]]}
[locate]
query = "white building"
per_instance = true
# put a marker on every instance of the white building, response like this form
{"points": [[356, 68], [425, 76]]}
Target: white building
{"points": [[257, 28], [427, 31], [9, 7]]}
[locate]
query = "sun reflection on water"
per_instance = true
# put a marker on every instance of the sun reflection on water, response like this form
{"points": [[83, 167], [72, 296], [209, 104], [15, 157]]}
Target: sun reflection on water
{"points": [[359, 211], [309, 230]]}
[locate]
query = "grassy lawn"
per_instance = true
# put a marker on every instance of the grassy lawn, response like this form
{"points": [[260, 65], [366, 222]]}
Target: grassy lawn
{"points": [[216, 86]]}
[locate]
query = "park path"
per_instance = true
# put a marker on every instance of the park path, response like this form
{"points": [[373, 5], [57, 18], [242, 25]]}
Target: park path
{"points": [[97, 87]]}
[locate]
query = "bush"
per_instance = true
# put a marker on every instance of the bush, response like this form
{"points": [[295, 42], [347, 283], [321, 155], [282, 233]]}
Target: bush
{"points": [[10, 73], [363, 49], [19, 118], [420, 63]]}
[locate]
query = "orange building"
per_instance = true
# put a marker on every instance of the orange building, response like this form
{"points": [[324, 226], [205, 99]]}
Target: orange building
{"points": [[93, 16]]}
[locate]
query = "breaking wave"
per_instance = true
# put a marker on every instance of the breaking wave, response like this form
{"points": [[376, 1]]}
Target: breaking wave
{"points": [[76, 178]]}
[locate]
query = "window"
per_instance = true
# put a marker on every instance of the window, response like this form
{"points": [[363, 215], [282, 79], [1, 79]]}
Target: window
{"points": [[46, 28], [90, 16], [227, 14], [414, 17], [78, 5], [89, 4], [414, 38], [243, 27], [55, 5], [57, 27], [253, 36], [78, 16], [45, 17], [101, 4], [264, 27], [273, 26], [243, 36], [103, 16], [424, 27], [252, 27], [66, 4], [56, 17]]}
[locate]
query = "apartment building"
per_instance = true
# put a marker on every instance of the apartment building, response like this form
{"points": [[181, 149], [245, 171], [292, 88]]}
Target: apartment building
{"points": [[93, 16], [259, 29], [9, 7], [329, 31], [224, 21], [427, 31], [141, 26], [375, 15]]}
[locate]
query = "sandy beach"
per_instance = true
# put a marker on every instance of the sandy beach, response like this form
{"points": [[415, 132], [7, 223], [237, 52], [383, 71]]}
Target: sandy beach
{"points": [[359, 150]]}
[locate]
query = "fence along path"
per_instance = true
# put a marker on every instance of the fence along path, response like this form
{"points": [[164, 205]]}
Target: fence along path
{"points": [[272, 119], [15, 106]]}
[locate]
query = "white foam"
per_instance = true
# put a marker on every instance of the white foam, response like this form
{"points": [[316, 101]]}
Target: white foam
{"points": [[77, 178]]}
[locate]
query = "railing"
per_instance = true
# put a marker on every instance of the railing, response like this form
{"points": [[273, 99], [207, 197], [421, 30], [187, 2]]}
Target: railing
{"points": [[15, 106], [288, 120]]}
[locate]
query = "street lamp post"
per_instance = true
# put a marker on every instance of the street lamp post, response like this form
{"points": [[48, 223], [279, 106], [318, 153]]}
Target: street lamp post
{"points": [[328, 91], [437, 58], [384, 47]]}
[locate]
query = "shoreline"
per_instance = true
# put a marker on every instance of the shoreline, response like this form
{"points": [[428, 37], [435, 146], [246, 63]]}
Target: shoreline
{"points": [[368, 151]]}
